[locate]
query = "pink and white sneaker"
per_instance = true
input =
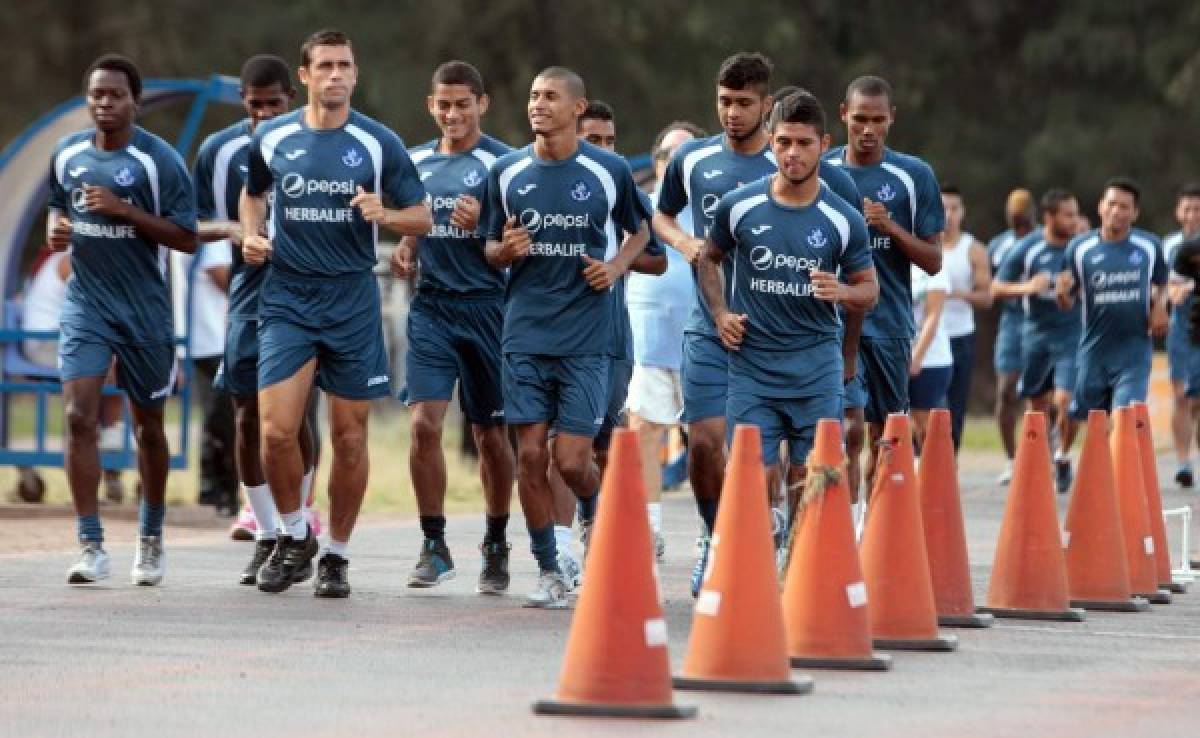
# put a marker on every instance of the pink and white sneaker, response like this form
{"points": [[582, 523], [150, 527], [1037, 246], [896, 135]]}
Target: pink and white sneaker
{"points": [[246, 526], [314, 520]]}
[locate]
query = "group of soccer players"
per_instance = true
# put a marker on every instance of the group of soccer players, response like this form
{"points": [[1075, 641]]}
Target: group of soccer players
{"points": [[803, 258]]}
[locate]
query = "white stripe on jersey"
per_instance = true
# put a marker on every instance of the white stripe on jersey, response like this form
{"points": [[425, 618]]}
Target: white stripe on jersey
{"points": [[1147, 247], [506, 177], [740, 208], [151, 168], [1027, 274], [1081, 251], [839, 221], [606, 181], [375, 151], [272, 140], [421, 155], [691, 160], [909, 185], [487, 157], [60, 161], [220, 179]]}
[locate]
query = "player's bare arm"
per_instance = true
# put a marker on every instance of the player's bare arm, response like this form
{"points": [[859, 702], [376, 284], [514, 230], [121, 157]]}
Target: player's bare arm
{"points": [[97, 199], [252, 212], [924, 252], [602, 275], [667, 227], [413, 220], [513, 244], [58, 230], [731, 327]]}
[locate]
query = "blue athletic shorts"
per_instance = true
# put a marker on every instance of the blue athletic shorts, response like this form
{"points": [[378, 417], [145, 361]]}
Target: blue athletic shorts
{"points": [[1105, 379], [1006, 354], [619, 373], [146, 371], [1049, 365], [884, 364], [456, 339], [336, 320], [571, 392], [927, 390], [1179, 351], [791, 419], [238, 374], [705, 376]]}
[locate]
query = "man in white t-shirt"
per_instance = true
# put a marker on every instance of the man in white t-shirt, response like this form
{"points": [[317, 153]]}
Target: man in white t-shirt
{"points": [[932, 361]]}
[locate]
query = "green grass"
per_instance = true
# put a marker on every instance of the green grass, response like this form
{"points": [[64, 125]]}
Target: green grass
{"points": [[981, 434]]}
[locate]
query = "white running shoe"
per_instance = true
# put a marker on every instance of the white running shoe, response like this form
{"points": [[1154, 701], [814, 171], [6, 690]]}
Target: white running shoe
{"points": [[551, 592], [660, 546], [1006, 475], [92, 565], [571, 568], [149, 564]]}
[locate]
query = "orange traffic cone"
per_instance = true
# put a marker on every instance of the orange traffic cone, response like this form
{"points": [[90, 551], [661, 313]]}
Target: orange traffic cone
{"points": [[616, 663], [1029, 575], [1097, 572], [824, 596], [895, 564], [737, 642], [1131, 500], [1154, 509], [945, 539]]}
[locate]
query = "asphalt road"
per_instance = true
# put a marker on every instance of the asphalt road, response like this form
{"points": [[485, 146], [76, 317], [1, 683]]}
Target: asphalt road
{"points": [[201, 655]]}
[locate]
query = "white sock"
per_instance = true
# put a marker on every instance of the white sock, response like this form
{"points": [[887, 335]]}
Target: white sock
{"points": [[306, 487], [263, 505], [654, 511], [294, 525], [338, 547], [562, 538]]}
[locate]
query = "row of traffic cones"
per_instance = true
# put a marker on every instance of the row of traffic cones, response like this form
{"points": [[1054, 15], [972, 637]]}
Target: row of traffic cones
{"points": [[914, 565]]}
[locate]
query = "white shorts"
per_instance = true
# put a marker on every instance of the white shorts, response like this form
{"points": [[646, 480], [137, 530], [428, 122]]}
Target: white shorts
{"points": [[655, 394]]}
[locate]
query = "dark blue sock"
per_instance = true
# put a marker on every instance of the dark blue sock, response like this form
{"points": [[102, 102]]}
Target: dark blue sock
{"points": [[150, 518], [89, 528], [541, 543], [585, 507], [708, 512]]}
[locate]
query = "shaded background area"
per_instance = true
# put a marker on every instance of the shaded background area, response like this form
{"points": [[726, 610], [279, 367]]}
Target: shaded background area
{"points": [[993, 94]]}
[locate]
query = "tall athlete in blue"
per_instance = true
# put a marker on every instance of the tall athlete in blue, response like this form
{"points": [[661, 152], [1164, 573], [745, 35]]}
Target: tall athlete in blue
{"points": [[1183, 358], [903, 210], [549, 208], [119, 197], [327, 168], [1119, 275], [454, 326], [789, 238]]}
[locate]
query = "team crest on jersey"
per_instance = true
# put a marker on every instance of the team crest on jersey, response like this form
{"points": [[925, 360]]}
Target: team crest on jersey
{"points": [[580, 191], [709, 205], [817, 239], [352, 158], [886, 193], [123, 177], [1135, 257], [472, 178]]}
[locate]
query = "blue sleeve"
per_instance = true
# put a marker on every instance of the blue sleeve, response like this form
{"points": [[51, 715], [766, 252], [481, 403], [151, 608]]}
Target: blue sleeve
{"points": [[176, 195], [842, 185], [856, 256], [931, 217], [672, 196], [1160, 272], [58, 197], [400, 180], [721, 234], [258, 176], [1069, 260], [493, 216], [1012, 268], [202, 175], [627, 211]]}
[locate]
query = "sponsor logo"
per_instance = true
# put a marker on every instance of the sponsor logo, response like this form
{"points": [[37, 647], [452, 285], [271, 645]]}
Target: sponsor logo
{"points": [[1097, 258], [78, 200], [758, 230], [709, 205], [381, 379], [711, 173], [761, 257], [76, 171], [886, 193], [598, 421], [472, 178], [243, 168], [533, 221], [352, 158], [442, 202], [497, 414], [124, 177], [881, 243], [426, 175], [526, 189], [294, 155], [580, 191], [817, 239], [294, 185], [1135, 257], [1103, 280], [319, 215], [781, 287]]}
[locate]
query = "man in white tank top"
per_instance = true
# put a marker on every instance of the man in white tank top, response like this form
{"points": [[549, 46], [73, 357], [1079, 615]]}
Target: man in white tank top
{"points": [[965, 261]]}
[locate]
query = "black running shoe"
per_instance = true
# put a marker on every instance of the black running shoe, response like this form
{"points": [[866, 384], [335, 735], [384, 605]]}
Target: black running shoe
{"points": [[290, 562], [434, 565], [1184, 477], [331, 578], [262, 551], [493, 580], [1062, 475]]}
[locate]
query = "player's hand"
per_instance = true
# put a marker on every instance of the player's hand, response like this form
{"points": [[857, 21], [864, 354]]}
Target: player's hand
{"points": [[256, 250], [731, 329], [1062, 291], [849, 370], [404, 263], [600, 275], [466, 213], [1159, 319], [1038, 284], [515, 242], [97, 199], [914, 367], [1178, 291], [877, 216], [235, 234], [370, 205], [826, 286], [691, 248], [60, 235]]}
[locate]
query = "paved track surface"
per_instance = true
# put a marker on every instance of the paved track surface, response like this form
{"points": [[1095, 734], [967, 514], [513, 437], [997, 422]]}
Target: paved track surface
{"points": [[203, 656]]}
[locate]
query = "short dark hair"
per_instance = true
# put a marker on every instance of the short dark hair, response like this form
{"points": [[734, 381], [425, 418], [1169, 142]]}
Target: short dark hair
{"points": [[116, 63], [800, 106], [1189, 189], [1052, 199], [264, 70], [1125, 184], [459, 73], [323, 37], [745, 70], [950, 188], [656, 151], [597, 110], [869, 86], [574, 82]]}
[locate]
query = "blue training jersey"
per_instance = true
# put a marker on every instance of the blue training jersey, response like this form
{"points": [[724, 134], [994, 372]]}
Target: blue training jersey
{"points": [[907, 187], [220, 173], [998, 249], [313, 175], [566, 206], [1180, 312], [792, 345], [1115, 280], [451, 260], [118, 287], [1031, 256]]}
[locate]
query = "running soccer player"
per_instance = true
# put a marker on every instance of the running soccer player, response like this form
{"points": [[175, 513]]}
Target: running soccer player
{"points": [[327, 167], [789, 237], [549, 209], [119, 196], [1119, 274], [1185, 407], [454, 326], [220, 173], [903, 210], [1006, 353], [1050, 335]]}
